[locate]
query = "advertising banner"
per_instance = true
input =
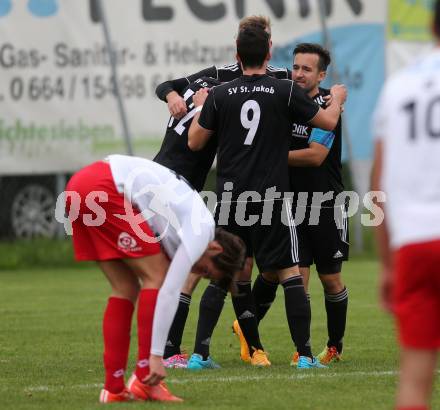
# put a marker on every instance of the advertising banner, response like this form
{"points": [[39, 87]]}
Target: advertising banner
{"points": [[56, 89], [409, 32], [409, 20]]}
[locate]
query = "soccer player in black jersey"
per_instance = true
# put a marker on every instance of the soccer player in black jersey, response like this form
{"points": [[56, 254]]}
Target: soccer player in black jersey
{"points": [[172, 155], [252, 117], [315, 169], [174, 152], [315, 163], [171, 91], [194, 167]]}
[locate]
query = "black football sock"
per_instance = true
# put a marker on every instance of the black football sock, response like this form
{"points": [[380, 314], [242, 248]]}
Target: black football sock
{"points": [[211, 305], [244, 308], [175, 334], [298, 314], [336, 307], [264, 293]]}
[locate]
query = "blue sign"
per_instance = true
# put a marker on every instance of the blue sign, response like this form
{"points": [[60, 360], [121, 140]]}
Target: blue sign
{"points": [[43, 8], [5, 7]]}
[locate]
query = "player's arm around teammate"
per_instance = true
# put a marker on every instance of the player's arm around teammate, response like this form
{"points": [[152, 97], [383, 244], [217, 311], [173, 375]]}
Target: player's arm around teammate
{"points": [[171, 91], [274, 104], [327, 119]]}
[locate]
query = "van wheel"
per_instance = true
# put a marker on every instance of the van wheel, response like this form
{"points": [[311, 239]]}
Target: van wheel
{"points": [[33, 212]]}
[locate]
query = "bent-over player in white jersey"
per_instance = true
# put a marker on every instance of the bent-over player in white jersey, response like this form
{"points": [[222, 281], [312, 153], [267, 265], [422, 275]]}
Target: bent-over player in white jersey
{"points": [[147, 229], [407, 169]]}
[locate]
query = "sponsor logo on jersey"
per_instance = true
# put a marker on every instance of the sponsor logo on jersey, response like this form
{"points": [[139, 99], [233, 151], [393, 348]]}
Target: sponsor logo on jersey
{"points": [[300, 131]]}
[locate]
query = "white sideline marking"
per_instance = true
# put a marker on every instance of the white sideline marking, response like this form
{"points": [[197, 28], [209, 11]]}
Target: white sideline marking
{"points": [[227, 379]]}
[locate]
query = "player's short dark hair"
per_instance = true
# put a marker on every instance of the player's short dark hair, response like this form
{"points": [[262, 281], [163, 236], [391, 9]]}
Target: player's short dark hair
{"points": [[253, 46], [252, 21], [233, 257], [313, 48], [437, 18]]}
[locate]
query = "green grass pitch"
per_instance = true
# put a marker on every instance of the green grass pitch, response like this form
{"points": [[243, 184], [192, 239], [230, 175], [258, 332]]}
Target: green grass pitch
{"points": [[51, 350]]}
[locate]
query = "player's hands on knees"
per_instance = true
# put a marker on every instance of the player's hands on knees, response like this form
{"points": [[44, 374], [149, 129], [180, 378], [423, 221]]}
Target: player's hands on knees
{"points": [[386, 285], [176, 105], [339, 93], [157, 371], [200, 96]]}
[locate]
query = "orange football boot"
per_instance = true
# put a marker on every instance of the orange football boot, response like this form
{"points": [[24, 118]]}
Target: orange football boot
{"points": [[142, 391]]}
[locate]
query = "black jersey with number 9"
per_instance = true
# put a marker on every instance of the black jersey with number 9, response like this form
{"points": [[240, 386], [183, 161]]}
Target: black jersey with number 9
{"points": [[252, 117]]}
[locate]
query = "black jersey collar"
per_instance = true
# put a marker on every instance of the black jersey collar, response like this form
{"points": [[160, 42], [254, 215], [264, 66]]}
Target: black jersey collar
{"points": [[253, 77]]}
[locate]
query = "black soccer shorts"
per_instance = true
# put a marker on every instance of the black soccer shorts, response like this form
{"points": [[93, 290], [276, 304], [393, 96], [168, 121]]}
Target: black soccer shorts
{"points": [[267, 229], [323, 242]]}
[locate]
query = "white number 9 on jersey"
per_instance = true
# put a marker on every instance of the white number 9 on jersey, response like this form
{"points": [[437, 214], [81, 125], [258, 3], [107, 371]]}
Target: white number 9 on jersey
{"points": [[251, 125]]}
